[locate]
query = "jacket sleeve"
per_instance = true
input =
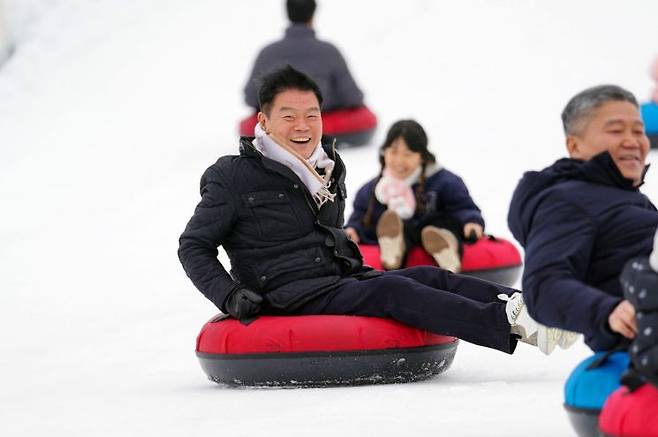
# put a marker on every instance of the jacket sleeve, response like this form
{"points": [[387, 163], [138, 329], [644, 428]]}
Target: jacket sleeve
{"points": [[212, 221], [558, 254], [360, 207], [457, 201], [346, 92]]}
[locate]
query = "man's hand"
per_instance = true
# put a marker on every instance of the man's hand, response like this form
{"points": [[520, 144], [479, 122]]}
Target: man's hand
{"points": [[243, 303], [352, 234], [622, 319], [473, 232]]}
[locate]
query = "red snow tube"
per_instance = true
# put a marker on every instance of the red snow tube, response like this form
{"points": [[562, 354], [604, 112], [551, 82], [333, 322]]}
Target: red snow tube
{"points": [[315, 351], [354, 126], [490, 258], [630, 414]]}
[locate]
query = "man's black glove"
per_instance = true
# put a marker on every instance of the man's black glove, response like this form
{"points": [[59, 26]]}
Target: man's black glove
{"points": [[243, 303]]}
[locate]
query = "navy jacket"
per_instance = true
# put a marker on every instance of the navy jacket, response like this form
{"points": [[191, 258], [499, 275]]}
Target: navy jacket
{"points": [[320, 60], [279, 243], [579, 222], [444, 192]]}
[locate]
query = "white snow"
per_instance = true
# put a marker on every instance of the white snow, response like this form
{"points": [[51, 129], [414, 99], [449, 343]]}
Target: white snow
{"points": [[110, 110]]}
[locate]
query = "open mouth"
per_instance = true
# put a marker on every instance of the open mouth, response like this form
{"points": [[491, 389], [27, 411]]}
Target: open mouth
{"points": [[630, 158], [300, 140]]}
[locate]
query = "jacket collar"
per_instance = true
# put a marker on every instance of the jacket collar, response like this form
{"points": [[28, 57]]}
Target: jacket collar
{"points": [[601, 169], [299, 31]]}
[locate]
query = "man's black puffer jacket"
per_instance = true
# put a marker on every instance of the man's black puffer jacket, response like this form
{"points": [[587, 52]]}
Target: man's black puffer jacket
{"points": [[279, 243]]}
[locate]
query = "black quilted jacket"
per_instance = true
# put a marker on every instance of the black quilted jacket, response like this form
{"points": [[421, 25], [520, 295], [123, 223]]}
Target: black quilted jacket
{"points": [[279, 243]]}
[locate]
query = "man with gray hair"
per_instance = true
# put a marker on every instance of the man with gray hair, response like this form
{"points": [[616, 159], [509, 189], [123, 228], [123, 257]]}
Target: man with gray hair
{"points": [[583, 217]]}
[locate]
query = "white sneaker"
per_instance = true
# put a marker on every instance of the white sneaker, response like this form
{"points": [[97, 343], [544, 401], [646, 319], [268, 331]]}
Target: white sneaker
{"points": [[548, 338], [568, 339], [519, 319], [532, 332]]}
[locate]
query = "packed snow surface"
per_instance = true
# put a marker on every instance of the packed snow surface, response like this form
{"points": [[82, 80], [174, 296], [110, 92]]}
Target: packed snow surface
{"points": [[110, 110]]}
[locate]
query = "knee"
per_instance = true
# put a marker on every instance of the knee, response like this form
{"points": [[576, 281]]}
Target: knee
{"points": [[390, 286], [392, 283], [428, 270], [427, 274]]}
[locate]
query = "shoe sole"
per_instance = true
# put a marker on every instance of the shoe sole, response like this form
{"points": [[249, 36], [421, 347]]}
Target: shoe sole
{"points": [[391, 240], [443, 247]]}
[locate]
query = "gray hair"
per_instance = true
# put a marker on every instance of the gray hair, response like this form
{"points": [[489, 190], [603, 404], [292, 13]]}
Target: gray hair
{"points": [[581, 106]]}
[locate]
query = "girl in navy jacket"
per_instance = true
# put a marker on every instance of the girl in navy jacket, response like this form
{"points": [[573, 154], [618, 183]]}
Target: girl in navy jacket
{"points": [[414, 201]]}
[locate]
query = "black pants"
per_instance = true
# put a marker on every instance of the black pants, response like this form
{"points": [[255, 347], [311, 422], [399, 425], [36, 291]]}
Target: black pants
{"points": [[427, 298]]}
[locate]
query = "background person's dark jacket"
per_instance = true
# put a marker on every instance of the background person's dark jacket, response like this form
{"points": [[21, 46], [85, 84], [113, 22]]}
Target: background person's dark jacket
{"points": [[320, 60], [444, 192], [579, 222], [279, 244]]}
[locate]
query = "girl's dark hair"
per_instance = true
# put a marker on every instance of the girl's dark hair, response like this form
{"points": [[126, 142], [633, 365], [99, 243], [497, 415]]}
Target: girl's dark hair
{"points": [[414, 135]]}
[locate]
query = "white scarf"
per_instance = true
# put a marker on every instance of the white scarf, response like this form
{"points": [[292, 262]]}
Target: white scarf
{"points": [[303, 168]]}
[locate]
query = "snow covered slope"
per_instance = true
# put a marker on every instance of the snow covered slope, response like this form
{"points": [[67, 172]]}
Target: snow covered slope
{"points": [[110, 110]]}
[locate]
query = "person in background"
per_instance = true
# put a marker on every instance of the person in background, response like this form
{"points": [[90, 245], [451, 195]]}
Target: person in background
{"points": [[639, 280], [582, 218], [654, 76], [320, 60], [649, 110], [414, 201]]}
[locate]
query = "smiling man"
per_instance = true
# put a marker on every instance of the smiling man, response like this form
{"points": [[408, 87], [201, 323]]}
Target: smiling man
{"points": [[293, 120], [277, 209], [583, 217]]}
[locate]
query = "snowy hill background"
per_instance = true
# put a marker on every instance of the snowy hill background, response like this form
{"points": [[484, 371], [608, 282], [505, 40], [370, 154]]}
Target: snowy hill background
{"points": [[110, 110]]}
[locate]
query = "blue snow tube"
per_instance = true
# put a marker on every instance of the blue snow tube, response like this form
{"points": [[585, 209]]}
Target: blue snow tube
{"points": [[589, 385], [650, 117]]}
